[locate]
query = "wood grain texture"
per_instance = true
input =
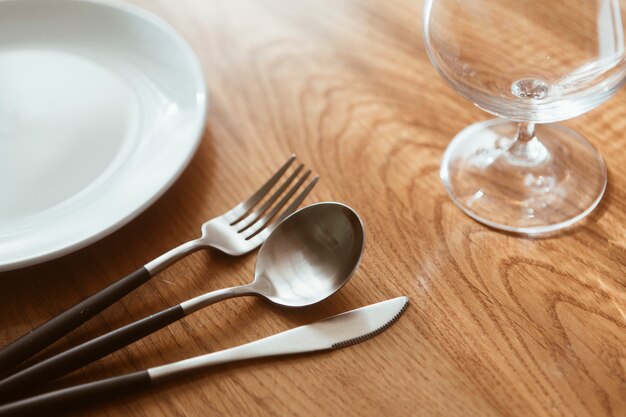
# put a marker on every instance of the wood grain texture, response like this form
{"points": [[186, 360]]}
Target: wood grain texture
{"points": [[498, 325]]}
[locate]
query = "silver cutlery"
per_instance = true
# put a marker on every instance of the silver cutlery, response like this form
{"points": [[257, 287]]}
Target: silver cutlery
{"points": [[236, 232], [335, 332], [307, 258]]}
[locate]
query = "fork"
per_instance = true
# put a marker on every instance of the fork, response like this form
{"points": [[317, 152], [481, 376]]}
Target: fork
{"points": [[236, 232]]}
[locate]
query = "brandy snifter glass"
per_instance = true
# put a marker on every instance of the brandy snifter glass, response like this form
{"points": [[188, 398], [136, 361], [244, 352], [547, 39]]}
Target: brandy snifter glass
{"points": [[531, 63]]}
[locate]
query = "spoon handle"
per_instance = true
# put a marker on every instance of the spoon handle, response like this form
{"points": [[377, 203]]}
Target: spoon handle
{"points": [[334, 332], [18, 385], [49, 332]]}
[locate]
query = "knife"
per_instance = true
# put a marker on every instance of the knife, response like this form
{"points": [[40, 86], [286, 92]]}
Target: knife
{"points": [[335, 332]]}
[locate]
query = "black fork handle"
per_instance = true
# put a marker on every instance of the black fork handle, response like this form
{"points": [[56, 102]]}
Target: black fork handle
{"points": [[57, 327]]}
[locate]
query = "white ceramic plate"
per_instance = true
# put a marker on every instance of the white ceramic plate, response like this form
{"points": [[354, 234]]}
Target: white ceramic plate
{"points": [[102, 106]]}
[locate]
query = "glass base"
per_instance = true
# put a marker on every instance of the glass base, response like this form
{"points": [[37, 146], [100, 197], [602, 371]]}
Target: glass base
{"points": [[540, 186]]}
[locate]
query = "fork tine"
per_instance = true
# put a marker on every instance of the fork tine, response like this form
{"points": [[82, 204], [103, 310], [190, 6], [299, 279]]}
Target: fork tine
{"points": [[260, 223], [241, 209], [294, 205], [251, 218], [264, 228]]}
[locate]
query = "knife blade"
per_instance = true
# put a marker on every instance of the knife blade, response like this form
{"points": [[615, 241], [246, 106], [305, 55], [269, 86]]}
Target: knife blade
{"points": [[335, 332]]}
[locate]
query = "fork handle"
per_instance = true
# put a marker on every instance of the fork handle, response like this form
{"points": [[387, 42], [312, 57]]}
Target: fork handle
{"points": [[18, 384], [57, 327], [77, 395]]}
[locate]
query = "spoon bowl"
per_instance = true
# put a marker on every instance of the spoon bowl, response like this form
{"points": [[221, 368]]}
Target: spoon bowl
{"points": [[307, 258], [310, 255]]}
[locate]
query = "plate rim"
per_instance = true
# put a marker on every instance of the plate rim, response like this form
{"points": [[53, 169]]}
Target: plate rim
{"points": [[202, 101]]}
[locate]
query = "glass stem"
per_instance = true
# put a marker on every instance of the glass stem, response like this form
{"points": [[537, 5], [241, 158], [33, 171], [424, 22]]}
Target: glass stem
{"points": [[526, 149], [525, 132]]}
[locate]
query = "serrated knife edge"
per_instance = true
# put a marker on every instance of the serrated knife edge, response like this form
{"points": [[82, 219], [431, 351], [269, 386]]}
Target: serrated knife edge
{"points": [[335, 332]]}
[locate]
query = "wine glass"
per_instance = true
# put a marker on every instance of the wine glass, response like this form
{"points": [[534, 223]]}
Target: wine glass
{"points": [[532, 63]]}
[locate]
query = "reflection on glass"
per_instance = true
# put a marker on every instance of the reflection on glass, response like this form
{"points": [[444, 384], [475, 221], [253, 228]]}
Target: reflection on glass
{"points": [[532, 63]]}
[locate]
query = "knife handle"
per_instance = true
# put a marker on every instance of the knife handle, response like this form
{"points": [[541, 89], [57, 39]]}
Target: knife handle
{"points": [[57, 327], [77, 395], [65, 362]]}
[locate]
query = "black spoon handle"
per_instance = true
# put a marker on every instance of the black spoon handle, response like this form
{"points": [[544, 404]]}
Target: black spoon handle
{"points": [[56, 401], [57, 327], [47, 370]]}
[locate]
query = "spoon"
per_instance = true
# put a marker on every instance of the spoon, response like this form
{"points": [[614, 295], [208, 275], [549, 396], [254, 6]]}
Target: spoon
{"points": [[305, 260]]}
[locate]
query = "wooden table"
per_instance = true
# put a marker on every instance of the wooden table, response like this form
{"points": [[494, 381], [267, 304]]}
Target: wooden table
{"points": [[498, 325]]}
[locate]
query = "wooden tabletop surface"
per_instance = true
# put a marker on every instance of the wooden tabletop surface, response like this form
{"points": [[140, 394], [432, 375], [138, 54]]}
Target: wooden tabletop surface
{"points": [[498, 325]]}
